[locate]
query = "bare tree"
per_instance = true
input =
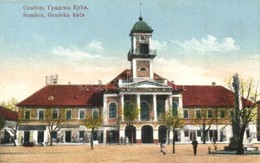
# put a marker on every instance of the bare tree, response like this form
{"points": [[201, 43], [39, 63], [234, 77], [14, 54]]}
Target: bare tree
{"points": [[205, 118], [246, 95], [54, 118], [131, 113], [93, 121], [172, 121]]}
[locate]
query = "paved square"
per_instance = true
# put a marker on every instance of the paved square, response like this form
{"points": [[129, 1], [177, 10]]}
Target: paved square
{"points": [[118, 153]]}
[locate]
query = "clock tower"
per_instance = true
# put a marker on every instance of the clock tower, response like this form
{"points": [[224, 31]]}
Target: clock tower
{"points": [[141, 54]]}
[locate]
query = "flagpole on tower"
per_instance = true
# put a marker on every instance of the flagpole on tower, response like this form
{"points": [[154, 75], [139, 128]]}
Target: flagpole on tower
{"points": [[140, 8]]}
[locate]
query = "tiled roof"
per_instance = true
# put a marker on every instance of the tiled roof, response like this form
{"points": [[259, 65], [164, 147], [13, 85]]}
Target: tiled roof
{"points": [[65, 96], [8, 114], [209, 96], [92, 95]]}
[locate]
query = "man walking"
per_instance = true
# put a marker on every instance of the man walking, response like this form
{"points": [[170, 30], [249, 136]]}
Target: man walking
{"points": [[163, 146], [194, 144]]}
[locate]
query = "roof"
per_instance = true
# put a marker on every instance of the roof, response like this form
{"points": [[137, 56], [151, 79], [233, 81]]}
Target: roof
{"points": [[65, 96], [127, 75], [8, 114], [209, 96], [141, 27], [92, 95]]}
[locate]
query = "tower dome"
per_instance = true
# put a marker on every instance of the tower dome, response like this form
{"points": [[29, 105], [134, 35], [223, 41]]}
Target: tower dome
{"points": [[141, 27]]}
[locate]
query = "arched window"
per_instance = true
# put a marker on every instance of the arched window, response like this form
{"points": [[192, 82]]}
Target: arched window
{"points": [[160, 107], [144, 111], [174, 108], [143, 69], [112, 110]]}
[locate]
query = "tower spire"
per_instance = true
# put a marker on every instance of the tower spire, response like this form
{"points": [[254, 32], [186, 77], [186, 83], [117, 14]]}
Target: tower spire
{"points": [[140, 4]]}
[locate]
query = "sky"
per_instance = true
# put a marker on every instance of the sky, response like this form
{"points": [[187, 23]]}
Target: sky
{"points": [[198, 41]]}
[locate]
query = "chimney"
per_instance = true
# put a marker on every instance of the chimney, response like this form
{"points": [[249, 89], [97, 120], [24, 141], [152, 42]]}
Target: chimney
{"points": [[100, 82], [213, 83], [52, 80]]}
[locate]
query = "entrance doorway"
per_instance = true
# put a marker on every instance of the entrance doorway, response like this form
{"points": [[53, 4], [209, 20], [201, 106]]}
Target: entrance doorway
{"points": [[162, 133], [67, 136], [40, 137], [144, 49], [147, 134], [26, 136], [128, 133]]}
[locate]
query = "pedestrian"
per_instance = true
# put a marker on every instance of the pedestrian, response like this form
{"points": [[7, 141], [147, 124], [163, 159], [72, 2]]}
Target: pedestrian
{"points": [[195, 145], [214, 140], [163, 146], [121, 140]]}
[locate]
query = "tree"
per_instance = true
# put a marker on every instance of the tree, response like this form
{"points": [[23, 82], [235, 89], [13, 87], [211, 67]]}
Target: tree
{"points": [[172, 121], [54, 118], [10, 104], [2, 124], [93, 120], [205, 118], [246, 94], [131, 114]]}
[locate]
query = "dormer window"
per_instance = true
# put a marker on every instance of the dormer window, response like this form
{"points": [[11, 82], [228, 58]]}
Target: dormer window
{"points": [[143, 69], [50, 98]]}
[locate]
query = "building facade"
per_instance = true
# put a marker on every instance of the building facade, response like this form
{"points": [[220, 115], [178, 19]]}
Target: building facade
{"points": [[152, 94], [7, 133]]}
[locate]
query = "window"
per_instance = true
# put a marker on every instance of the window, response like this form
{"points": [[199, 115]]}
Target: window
{"points": [[210, 114], [222, 113], [112, 110], [55, 114], [41, 114], [54, 135], [95, 113], [81, 134], [27, 114], [185, 114], [199, 133], [68, 114], [160, 107], [143, 69], [144, 111], [186, 133], [81, 114], [198, 114], [175, 108]]}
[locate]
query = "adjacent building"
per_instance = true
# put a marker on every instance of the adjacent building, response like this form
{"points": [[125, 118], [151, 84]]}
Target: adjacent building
{"points": [[139, 85], [7, 134]]}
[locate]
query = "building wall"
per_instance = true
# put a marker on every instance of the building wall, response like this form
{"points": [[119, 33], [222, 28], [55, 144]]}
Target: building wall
{"points": [[69, 128]]}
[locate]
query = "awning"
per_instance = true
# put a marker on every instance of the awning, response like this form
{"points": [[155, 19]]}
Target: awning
{"points": [[10, 132], [69, 126], [32, 127]]}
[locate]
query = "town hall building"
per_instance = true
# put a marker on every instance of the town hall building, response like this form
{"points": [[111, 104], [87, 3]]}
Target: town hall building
{"points": [[150, 92]]}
